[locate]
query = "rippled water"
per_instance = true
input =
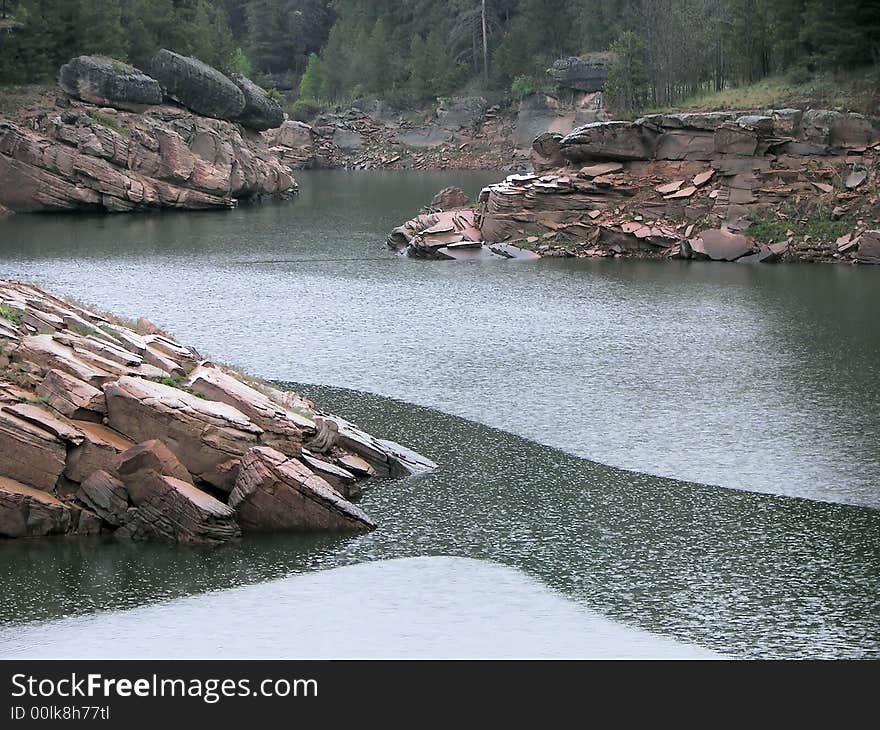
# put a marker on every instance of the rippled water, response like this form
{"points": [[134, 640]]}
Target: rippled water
{"points": [[755, 378], [451, 608]]}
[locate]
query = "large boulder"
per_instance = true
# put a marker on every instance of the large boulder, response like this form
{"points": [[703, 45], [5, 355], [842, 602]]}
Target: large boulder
{"points": [[869, 248], [175, 511], [545, 153], [106, 496], [273, 492], [108, 82], [99, 449], [208, 437], [609, 141], [151, 455], [449, 198], [261, 111], [293, 134], [29, 512], [197, 85]]}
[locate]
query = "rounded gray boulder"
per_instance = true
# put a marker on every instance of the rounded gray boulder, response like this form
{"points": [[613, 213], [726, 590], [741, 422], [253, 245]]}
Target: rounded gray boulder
{"points": [[197, 86], [108, 82], [261, 111]]}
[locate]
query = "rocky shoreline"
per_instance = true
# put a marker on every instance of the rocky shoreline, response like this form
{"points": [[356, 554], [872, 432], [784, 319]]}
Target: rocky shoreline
{"points": [[778, 185], [108, 427]]}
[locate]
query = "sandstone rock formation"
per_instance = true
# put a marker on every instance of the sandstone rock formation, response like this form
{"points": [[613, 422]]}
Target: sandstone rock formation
{"points": [[449, 198], [274, 492], [93, 159], [108, 428], [682, 186], [107, 82], [197, 85]]}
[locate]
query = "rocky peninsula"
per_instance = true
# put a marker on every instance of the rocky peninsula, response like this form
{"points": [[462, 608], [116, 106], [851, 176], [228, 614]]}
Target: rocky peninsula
{"points": [[114, 427], [117, 140], [748, 186]]}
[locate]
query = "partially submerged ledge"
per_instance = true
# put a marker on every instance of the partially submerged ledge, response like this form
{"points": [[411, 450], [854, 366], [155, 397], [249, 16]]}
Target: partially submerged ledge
{"points": [[780, 185], [109, 427]]}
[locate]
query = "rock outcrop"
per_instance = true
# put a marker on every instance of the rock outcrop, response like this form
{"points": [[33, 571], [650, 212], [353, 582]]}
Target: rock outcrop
{"points": [[88, 155], [274, 492], [106, 82], [93, 159], [261, 111], [197, 86], [449, 198], [108, 428], [582, 73], [724, 186]]}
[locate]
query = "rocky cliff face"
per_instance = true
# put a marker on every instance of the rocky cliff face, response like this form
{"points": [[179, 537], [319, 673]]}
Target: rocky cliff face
{"points": [[106, 427], [100, 159], [728, 186]]}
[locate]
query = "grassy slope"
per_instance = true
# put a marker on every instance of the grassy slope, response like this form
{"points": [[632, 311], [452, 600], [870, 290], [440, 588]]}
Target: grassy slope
{"points": [[856, 91]]}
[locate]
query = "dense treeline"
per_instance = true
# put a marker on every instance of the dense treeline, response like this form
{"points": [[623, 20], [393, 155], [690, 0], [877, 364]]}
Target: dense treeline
{"points": [[413, 50]]}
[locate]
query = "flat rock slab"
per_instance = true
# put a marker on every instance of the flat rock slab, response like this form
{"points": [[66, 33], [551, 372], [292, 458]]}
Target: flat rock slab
{"points": [[606, 168], [206, 436], [855, 179], [273, 492], [72, 397], [283, 428], [721, 245], [609, 141]]}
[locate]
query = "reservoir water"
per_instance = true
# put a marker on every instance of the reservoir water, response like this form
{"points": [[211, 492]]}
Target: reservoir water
{"points": [[685, 451]]}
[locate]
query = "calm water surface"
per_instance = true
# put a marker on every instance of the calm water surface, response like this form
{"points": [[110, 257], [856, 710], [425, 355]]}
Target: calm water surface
{"points": [[726, 377]]}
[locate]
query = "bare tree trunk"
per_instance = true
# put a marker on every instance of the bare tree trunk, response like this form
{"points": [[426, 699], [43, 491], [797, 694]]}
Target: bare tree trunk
{"points": [[485, 47]]}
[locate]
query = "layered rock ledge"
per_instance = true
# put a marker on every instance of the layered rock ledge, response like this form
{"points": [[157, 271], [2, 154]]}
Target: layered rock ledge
{"points": [[110, 427], [115, 142], [728, 186]]}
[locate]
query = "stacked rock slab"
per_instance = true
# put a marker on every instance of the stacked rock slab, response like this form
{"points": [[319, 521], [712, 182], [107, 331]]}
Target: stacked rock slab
{"points": [[682, 186], [104, 427]]}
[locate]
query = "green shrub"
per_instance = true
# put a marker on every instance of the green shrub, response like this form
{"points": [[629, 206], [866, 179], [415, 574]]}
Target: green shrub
{"points": [[13, 315], [523, 86]]}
